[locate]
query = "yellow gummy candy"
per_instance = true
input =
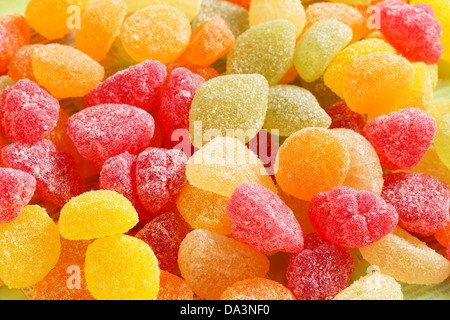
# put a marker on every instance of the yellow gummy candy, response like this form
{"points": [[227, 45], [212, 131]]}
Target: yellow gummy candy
{"points": [[189, 7]]}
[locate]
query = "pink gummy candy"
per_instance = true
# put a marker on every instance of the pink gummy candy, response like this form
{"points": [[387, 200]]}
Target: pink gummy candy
{"points": [[107, 130], [16, 190], [160, 176], [176, 99], [422, 201], [412, 29], [342, 117], [138, 85], [57, 179], [351, 218], [320, 271], [402, 137], [27, 112], [164, 235], [261, 219]]}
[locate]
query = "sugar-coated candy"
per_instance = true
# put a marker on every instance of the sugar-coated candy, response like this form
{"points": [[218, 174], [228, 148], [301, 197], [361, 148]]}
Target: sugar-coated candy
{"points": [[137, 86], [443, 235], [164, 234], [206, 73], [335, 73], [225, 163], [238, 111], [175, 103], [422, 201], [65, 71], [402, 137], [262, 11], [352, 218], [373, 82], [441, 141], [318, 46], [257, 289], [292, 108], [311, 160], [96, 214], [172, 287], [30, 247], [5, 81], [99, 26], [106, 130], [265, 145], [55, 171], [17, 188], [160, 176], [438, 109], [323, 94], [209, 42], [28, 113], [2, 144], [20, 66], [374, 286], [121, 267], [407, 259], [412, 29], [365, 172], [64, 282], [235, 16], [266, 49], [203, 209], [189, 7], [243, 3], [261, 219], [158, 32], [210, 262], [447, 253], [73, 252], [320, 271], [14, 34], [344, 118]]}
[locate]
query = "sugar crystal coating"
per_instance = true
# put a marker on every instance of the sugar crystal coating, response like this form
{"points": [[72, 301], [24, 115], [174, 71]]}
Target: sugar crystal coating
{"points": [[21, 66], [443, 235], [257, 289], [189, 7], [14, 34], [121, 267], [172, 287], [441, 141], [342, 117]]}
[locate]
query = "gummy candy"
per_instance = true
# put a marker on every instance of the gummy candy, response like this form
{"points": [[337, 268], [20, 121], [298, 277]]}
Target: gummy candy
{"points": [[402, 137], [438, 109], [266, 49], [73, 252], [261, 219], [28, 112], [407, 259], [292, 108], [318, 46], [374, 286], [323, 94], [351, 218], [239, 110], [189, 7], [57, 179], [30, 247], [5, 81], [121, 267], [320, 271], [65, 71], [158, 32], [422, 201], [443, 235], [262, 11], [164, 234], [14, 34], [172, 287], [106, 130], [257, 289], [342, 117], [99, 27], [310, 161], [206, 73], [442, 138], [210, 262], [55, 284], [209, 42], [17, 189], [96, 214], [20, 66]]}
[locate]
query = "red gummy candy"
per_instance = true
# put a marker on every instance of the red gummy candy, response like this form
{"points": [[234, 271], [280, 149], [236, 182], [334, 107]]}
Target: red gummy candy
{"points": [[261, 219], [342, 117], [138, 85], [57, 180], [265, 146], [422, 201], [176, 100], [27, 112], [402, 137], [447, 252], [164, 235], [16, 190], [351, 218], [107, 130], [412, 29], [160, 176], [320, 271]]}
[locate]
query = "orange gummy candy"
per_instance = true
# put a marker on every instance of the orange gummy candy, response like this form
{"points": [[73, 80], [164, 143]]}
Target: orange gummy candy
{"points": [[14, 33], [443, 235], [20, 66], [257, 289], [172, 287]]}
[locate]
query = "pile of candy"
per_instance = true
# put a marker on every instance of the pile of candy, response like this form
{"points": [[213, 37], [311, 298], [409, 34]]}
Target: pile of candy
{"points": [[234, 150]]}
